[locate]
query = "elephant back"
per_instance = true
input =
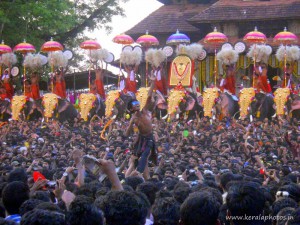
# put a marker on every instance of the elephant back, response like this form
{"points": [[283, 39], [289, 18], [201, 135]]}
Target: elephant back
{"points": [[50, 102], [246, 97], [17, 105], [110, 102], [280, 98], [142, 96], [86, 102], [174, 99], [209, 99]]}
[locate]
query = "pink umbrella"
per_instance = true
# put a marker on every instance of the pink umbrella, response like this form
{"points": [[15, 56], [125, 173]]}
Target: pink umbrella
{"points": [[147, 40], [24, 48], [255, 37], [51, 46], [123, 39], [286, 38], [4, 48], [215, 38], [90, 45]]}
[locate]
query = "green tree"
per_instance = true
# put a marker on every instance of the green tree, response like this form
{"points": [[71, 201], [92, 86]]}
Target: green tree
{"points": [[64, 20]]}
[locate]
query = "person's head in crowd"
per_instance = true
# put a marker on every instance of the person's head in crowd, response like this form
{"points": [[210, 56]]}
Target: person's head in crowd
{"points": [[83, 212], [42, 195], [134, 181], [149, 189], [200, 208], [18, 174], [123, 208], [49, 206], [295, 217], [181, 191], [43, 217], [291, 190], [7, 222], [245, 198], [13, 196], [284, 215], [166, 211], [29, 205], [283, 203]]}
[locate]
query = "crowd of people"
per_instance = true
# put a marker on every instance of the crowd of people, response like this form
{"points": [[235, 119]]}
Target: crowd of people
{"points": [[207, 172]]}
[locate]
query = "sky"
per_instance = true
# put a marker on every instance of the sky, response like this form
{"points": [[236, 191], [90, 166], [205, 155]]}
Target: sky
{"points": [[135, 11]]}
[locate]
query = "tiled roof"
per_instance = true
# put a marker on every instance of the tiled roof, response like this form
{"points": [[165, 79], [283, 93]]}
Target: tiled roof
{"points": [[168, 18], [229, 10]]}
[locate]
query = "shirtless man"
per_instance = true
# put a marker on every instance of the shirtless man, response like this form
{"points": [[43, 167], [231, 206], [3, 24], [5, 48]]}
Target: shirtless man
{"points": [[144, 145]]}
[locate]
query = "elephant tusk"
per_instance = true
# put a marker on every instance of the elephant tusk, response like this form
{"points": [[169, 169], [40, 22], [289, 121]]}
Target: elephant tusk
{"points": [[251, 118], [165, 117], [274, 115], [177, 116]]}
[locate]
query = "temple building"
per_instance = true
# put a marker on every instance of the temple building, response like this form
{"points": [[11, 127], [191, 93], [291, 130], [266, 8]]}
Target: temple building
{"points": [[234, 18]]}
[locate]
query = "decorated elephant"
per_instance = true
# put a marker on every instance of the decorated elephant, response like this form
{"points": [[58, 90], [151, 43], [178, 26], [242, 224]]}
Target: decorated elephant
{"points": [[287, 103], [5, 110], [262, 106], [54, 107], [90, 105], [182, 103]]}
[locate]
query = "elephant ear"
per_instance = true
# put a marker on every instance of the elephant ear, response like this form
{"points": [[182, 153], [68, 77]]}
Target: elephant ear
{"points": [[62, 105], [190, 103]]}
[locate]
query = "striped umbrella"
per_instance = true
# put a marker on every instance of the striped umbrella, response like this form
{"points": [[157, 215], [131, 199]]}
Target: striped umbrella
{"points": [[255, 37], [285, 37], [51, 46], [215, 38], [90, 45], [178, 38], [147, 40], [4, 48], [24, 48], [123, 39]]}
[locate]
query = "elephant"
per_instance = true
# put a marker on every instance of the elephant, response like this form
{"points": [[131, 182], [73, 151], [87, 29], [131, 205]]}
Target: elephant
{"points": [[293, 105], [262, 106], [180, 102], [91, 105], [5, 110], [219, 104], [54, 107]]}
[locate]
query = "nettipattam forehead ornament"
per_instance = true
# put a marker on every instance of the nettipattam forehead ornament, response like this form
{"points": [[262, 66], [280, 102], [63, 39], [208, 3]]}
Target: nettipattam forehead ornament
{"points": [[182, 69], [280, 98], [142, 96], [17, 105]]}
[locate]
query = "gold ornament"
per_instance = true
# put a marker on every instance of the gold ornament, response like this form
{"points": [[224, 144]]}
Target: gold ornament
{"points": [[175, 97], [17, 105], [86, 102], [50, 102], [209, 98], [246, 97], [280, 98], [110, 102], [181, 71], [142, 96]]}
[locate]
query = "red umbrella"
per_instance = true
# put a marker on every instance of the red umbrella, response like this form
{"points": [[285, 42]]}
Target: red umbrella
{"points": [[255, 37], [123, 39], [286, 38], [90, 45], [215, 38], [51, 46], [24, 48]]}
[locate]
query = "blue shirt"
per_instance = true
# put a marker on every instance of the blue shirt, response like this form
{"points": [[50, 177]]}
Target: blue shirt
{"points": [[15, 218]]}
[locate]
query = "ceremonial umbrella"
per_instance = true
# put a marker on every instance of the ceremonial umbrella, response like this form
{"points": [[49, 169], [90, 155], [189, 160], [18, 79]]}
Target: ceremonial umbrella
{"points": [[286, 38], [90, 45], [146, 41], [51, 46], [3, 49], [122, 39], [255, 37], [178, 38], [24, 48], [215, 38]]}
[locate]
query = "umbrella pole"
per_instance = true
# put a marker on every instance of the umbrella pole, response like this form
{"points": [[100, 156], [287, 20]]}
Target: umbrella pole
{"points": [[215, 65], [120, 67], [254, 59], [284, 66], [90, 71]]}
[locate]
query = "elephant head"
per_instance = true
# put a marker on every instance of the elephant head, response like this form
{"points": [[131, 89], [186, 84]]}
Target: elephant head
{"points": [[246, 97], [210, 96], [262, 106], [17, 105], [50, 102], [142, 96], [281, 96], [174, 99], [110, 102], [86, 103]]}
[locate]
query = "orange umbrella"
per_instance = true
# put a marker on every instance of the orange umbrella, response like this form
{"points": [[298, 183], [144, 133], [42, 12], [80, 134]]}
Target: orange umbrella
{"points": [[147, 40], [4, 48], [255, 37], [215, 38], [123, 39]]}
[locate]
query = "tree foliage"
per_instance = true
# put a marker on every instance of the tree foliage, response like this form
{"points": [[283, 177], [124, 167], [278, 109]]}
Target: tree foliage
{"points": [[64, 20]]}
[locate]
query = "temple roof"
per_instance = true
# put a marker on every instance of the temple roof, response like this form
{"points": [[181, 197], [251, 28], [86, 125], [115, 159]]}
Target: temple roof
{"points": [[231, 10], [169, 18]]}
